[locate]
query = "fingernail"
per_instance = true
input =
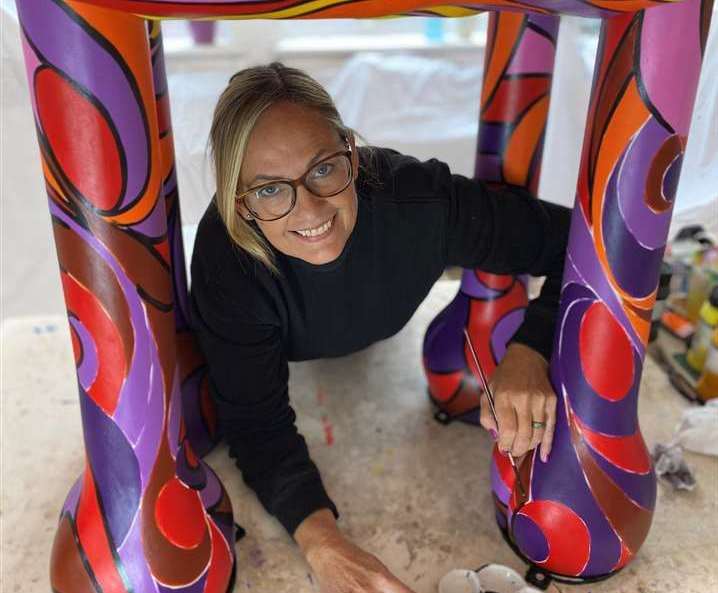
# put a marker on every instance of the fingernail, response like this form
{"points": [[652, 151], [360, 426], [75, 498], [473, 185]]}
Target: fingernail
{"points": [[494, 434]]}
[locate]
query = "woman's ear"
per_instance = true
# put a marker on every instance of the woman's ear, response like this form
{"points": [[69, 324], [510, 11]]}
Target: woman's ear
{"points": [[242, 210], [355, 155]]}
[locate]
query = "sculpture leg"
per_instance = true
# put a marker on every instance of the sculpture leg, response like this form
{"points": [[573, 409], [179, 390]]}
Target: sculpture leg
{"points": [[591, 504], [146, 515], [199, 419], [518, 71]]}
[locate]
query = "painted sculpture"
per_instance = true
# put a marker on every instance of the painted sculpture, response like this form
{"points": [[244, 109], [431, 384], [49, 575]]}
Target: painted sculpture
{"points": [[518, 70], [148, 515], [639, 116], [108, 158]]}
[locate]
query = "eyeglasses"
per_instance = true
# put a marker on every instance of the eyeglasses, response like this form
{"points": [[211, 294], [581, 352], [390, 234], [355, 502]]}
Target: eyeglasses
{"points": [[274, 200]]}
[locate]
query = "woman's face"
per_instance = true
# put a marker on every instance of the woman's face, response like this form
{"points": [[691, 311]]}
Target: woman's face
{"points": [[285, 142]]}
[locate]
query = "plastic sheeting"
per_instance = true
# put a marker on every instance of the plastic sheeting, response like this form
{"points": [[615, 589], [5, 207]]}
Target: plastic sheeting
{"points": [[423, 105], [429, 107], [698, 429]]}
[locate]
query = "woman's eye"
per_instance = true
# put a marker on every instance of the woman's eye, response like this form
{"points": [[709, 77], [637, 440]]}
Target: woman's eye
{"points": [[268, 191], [323, 170]]}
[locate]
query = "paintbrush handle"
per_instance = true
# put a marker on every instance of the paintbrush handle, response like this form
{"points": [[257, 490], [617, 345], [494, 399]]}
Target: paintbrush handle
{"points": [[492, 407]]}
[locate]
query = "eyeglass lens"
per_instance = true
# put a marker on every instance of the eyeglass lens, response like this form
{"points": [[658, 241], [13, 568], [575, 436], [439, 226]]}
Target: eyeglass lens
{"points": [[325, 179]]}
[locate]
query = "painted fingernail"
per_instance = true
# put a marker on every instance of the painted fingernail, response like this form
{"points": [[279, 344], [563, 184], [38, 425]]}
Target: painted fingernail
{"points": [[494, 434]]}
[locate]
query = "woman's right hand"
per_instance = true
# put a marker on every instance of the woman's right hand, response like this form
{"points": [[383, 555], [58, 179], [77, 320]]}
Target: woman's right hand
{"points": [[339, 565]]}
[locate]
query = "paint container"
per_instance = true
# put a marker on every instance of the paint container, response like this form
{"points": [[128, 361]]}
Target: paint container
{"points": [[497, 578], [492, 578], [707, 323], [704, 276], [434, 30], [460, 580], [681, 251], [707, 386], [677, 325], [699, 286], [203, 32], [662, 294]]}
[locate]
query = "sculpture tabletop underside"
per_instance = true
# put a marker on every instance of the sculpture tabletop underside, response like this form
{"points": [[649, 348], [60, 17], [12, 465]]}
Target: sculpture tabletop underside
{"points": [[327, 9]]}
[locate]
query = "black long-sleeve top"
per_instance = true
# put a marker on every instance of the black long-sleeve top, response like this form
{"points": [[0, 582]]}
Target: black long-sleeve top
{"points": [[414, 219]]}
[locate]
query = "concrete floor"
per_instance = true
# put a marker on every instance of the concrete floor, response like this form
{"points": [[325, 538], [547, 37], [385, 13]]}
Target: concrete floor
{"points": [[411, 491]]}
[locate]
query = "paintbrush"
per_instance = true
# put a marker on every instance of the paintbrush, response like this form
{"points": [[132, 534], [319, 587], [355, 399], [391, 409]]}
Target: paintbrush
{"points": [[492, 407]]}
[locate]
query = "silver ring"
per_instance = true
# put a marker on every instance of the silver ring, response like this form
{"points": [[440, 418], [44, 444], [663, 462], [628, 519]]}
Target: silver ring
{"points": [[537, 424]]}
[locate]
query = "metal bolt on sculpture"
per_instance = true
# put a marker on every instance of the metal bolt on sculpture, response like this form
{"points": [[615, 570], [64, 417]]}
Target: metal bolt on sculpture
{"points": [[147, 515]]}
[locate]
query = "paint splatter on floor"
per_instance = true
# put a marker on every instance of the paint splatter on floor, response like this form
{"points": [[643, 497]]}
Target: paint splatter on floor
{"points": [[326, 423], [328, 431], [256, 558]]}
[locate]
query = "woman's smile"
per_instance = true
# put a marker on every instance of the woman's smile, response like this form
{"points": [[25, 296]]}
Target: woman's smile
{"points": [[317, 233]]}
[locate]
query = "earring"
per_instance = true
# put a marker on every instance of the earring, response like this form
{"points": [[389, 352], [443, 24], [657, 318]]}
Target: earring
{"points": [[248, 216]]}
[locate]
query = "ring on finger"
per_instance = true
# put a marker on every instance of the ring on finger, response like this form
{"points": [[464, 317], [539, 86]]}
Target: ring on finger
{"points": [[537, 424]]}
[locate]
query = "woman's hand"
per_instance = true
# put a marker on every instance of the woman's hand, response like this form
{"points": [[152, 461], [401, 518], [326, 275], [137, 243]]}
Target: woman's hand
{"points": [[522, 395], [339, 565]]}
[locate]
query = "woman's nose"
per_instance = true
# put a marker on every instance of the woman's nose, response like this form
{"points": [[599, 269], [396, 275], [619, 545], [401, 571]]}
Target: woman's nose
{"points": [[307, 202]]}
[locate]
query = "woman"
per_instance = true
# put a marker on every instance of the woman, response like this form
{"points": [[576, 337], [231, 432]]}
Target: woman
{"points": [[315, 248]]}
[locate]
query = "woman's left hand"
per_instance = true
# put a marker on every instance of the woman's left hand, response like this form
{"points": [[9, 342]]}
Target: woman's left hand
{"points": [[523, 395]]}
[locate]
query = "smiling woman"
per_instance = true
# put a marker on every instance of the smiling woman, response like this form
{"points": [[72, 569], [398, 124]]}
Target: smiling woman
{"points": [[276, 124], [314, 248], [291, 139]]}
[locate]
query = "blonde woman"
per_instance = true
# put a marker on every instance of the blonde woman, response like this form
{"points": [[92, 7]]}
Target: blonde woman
{"points": [[313, 247]]}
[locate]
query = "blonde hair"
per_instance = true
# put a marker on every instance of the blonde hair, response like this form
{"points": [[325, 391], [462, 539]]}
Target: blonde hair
{"points": [[249, 93]]}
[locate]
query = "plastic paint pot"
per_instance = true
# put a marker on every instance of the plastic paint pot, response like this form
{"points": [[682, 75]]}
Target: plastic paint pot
{"points": [[460, 580], [492, 578], [707, 323], [707, 386]]}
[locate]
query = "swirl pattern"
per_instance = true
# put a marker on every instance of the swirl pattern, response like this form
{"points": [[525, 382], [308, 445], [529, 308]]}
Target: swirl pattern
{"points": [[146, 514], [197, 406], [337, 9], [515, 97], [590, 506]]}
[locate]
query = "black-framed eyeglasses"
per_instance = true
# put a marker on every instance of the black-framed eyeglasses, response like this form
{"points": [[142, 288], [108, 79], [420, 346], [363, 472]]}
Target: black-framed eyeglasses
{"points": [[275, 199]]}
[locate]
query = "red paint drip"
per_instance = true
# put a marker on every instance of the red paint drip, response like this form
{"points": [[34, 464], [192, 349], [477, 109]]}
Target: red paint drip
{"points": [[328, 431]]}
